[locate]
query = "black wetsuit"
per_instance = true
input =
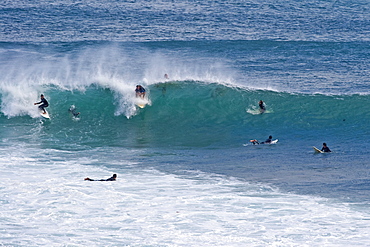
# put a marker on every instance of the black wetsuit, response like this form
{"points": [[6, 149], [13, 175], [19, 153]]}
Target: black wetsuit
{"points": [[44, 104], [267, 141], [109, 179], [325, 150], [75, 113]]}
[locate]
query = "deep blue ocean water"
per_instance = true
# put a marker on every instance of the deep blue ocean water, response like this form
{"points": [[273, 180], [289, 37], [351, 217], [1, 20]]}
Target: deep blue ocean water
{"points": [[187, 172]]}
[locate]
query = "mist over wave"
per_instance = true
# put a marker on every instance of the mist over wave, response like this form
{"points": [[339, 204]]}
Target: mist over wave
{"points": [[293, 67], [28, 71]]}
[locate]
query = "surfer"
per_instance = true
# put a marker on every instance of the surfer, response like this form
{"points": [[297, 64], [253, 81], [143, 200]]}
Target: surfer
{"points": [[44, 102], [113, 178], [75, 114], [325, 148], [262, 106], [269, 140], [73, 110], [166, 76], [140, 91], [256, 142]]}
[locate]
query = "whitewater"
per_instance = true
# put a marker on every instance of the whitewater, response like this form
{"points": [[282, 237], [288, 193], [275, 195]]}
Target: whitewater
{"points": [[187, 173]]}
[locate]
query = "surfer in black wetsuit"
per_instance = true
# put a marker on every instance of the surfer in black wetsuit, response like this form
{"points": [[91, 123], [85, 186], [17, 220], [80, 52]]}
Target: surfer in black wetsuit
{"points": [[325, 148], [113, 178], [74, 113], [262, 106], [73, 110], [44, 102], [140, 91], [256, 142], [269, 140]]}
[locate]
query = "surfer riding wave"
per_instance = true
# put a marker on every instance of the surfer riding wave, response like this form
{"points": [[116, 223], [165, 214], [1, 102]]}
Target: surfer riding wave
{"points": [[44, 104]]}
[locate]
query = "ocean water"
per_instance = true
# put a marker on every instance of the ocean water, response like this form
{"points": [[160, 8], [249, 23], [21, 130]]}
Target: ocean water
{"points": [[187, 172]]}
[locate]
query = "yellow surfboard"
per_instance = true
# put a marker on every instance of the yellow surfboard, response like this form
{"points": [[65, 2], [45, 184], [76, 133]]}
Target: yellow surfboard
{"points": [[317, 150], [141, 105], [140, 102]]}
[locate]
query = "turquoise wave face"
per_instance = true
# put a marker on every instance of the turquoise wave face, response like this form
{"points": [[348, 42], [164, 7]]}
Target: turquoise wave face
{"points": [[189, 113]]}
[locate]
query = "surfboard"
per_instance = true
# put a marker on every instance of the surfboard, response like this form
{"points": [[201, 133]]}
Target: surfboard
{"points": [[269, 143], [257, 111], [45, 115], [141, 103], [274, 141], [253, 111], [317, 150]]}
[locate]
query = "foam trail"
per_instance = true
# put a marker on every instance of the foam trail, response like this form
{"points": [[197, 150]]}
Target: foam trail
{"points": [[56, 206]]}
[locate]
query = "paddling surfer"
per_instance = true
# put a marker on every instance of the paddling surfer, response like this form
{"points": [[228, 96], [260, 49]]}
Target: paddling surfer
{"points": [[113, 178]]}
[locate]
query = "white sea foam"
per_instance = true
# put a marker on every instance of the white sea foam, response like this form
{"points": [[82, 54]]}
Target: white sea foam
{"points": [[45, 201]]}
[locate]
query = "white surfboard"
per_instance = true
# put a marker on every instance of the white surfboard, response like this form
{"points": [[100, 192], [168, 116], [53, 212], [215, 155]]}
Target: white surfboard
{"points": [[317, 150], [45, 115], [273, 142]]}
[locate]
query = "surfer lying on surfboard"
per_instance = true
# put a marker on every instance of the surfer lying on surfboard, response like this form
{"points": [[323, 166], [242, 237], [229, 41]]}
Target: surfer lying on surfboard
{"points": [[113, 178], [268, 141], [44, 102]]}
